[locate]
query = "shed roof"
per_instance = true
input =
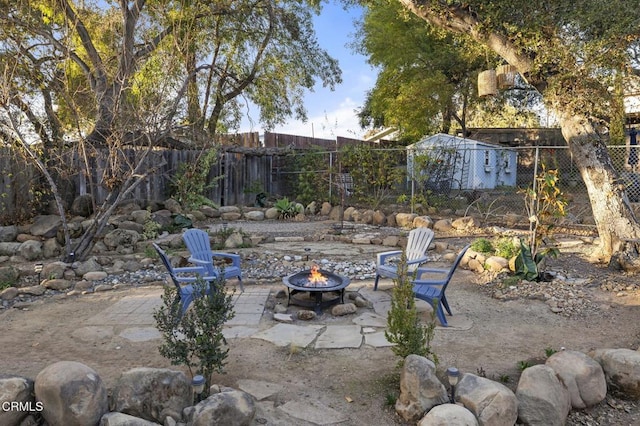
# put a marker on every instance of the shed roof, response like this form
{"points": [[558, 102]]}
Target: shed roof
{"points": [[441, 139]]}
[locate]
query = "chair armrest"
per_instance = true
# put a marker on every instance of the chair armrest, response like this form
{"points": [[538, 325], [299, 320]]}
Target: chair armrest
{"points": [[190, 270], [419, 260], [198, 262], [382, 257], [433, 270], [235, 258]]}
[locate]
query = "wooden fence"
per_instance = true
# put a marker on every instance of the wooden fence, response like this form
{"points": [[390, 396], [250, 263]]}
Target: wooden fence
{"points": [[235, 178], [245, 167]]}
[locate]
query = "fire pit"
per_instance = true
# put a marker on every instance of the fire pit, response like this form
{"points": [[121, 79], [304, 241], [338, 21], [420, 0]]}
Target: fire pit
{"points": [[318, 283]]}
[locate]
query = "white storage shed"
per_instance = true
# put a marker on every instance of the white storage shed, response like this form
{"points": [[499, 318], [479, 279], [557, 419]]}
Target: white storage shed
{"points": [[445, 162]]}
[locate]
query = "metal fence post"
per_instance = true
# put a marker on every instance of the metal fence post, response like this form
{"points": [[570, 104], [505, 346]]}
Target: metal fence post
{"points": [[330, 173]]}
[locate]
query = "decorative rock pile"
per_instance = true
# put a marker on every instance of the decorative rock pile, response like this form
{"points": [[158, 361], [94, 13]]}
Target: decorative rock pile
{"points": [[71, 393], [545, 395]]}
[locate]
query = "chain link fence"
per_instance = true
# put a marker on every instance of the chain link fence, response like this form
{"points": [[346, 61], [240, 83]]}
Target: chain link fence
{"points": [[486, 181]]}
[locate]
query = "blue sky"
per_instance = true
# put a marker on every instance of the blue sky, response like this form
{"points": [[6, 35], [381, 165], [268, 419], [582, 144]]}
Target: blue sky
{"points": [[332, 113]]}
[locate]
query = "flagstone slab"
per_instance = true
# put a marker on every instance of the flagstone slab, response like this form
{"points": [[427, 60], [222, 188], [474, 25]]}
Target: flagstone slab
{"points": [[340, 336], [377, 340], [140, 334], [370, 319], [287, 334], [259, 389], [313, 412]]}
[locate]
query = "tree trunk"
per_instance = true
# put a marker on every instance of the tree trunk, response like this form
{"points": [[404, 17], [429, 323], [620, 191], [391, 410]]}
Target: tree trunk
{"points": [[612, 212]]}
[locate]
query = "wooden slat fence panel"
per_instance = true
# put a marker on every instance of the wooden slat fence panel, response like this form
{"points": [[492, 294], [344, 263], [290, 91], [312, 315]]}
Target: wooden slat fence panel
{"points": [[235, 179]]}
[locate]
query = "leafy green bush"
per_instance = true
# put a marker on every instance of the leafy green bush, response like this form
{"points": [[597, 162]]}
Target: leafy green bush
{"points": [[375, 172], [191, 181], [403, 325], [287, 209], [505, 247], [311, 184], [482, 245], [195, 340], [150, 228]]}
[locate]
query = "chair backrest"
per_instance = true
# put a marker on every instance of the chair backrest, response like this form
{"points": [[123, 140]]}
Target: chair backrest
{"points": [[197, 241], [418, 243], [199, 246], [167, 264], [457, 262]]}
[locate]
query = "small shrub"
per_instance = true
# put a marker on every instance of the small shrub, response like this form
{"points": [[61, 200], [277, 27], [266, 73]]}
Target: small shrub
{"points": [[150, 252], [287, 209], [195, 340], [390, 400], [403, 325], [549, 351], [5, 284], [504, 378], [505, 247], [510, 280], [523, 365], [191, 181], [150, 228], [482, 245]]}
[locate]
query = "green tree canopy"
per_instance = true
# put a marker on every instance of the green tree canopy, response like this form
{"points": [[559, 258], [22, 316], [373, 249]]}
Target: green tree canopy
{"points": [[79, 76], [571, 52], [427, 79]]}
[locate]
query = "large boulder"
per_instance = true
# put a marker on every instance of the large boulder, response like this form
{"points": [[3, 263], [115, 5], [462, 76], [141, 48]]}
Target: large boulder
{"points": [[173, 206], [16, 399], [449, 415], [141, 216], [405, 220], [255, 215], [8, 233], [72, 394], [82, 206], [348, 214], [53, 270], [9, 249], [45, 226], [271, 213], [336, 213], [9, 274], [491, 402], [378, 218], [152, 394], [30, 250], [326, 208], [121, 419], [89, 265], [230, 407], [121, 240], [51, 248], [422, 222], [621, 369], [466, 223], [582, 375], [420, 389], [542, 399], [131, 226]]}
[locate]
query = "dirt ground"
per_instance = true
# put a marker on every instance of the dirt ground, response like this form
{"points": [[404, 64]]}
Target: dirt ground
{"points": [[357, 382]]}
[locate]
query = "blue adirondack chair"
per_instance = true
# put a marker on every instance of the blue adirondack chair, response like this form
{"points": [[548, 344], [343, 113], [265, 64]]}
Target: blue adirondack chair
{"points": [[432, 290], [199, 246], [416, 253], [186, 291]]}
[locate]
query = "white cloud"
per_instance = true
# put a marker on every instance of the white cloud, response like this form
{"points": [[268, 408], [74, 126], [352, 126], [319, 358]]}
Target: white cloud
{"points": [[340, 121]]}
